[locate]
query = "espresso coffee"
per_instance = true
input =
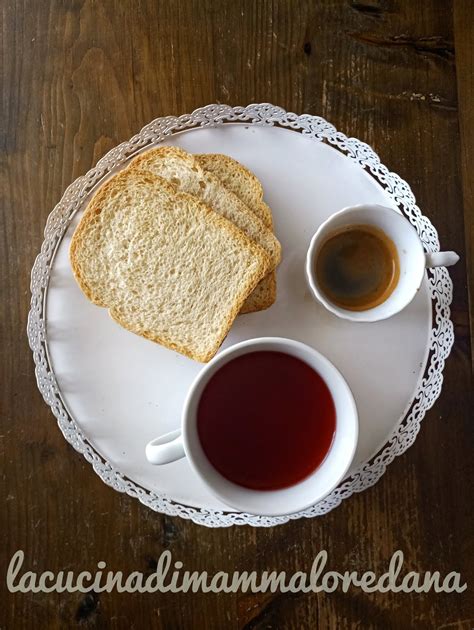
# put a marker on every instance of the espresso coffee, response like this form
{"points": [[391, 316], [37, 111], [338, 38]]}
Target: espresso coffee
{"points": [[357, 267]]}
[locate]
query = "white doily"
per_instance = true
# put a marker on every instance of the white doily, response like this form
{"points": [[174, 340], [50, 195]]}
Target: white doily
{"points": [[315, 127]]}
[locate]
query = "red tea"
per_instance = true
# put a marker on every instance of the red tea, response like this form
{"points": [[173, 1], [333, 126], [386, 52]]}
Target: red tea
{"points": [[266, 420]]}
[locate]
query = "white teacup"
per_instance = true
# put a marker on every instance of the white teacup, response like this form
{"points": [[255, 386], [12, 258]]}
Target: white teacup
{"points": [[185, 441], [412, 258]]}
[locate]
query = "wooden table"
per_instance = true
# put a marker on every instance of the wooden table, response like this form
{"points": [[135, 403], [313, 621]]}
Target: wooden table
{"points": [[79, 77]]}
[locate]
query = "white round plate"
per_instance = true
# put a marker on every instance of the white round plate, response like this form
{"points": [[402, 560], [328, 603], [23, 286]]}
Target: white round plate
{"points": [[113, 391]]}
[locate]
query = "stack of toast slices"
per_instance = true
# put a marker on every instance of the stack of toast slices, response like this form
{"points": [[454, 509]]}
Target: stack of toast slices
{"points": [[175, 246]]}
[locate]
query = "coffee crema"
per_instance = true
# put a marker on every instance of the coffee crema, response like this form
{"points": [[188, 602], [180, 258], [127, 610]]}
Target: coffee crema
{"points": [[357, 267], [266, 420]]}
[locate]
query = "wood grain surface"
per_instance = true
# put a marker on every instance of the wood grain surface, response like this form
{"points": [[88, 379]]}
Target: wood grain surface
{"points": [[80, 76]]}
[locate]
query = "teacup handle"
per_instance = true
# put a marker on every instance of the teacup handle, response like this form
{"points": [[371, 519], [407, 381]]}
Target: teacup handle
{"points": [[165, 449], [441, 259]]}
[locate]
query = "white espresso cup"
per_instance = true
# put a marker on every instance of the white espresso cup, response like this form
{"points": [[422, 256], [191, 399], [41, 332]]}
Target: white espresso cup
{"points": [[412, 258], [185, 441]]}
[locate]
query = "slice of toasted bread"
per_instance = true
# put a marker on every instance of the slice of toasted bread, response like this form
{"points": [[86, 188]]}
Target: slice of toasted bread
{"points": [[166, 266], [184, 172], [242, 182], [248, 188]]}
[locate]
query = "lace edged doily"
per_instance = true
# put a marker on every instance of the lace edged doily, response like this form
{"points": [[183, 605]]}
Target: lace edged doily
{"points": [[315, 127]]}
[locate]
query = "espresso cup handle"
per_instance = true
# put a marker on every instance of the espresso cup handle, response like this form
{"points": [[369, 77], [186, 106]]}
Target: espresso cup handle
{"points": [[165, 449], [441, 259]]}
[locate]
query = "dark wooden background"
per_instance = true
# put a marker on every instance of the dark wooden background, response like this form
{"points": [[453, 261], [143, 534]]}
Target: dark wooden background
{"points": [[80, 76]]}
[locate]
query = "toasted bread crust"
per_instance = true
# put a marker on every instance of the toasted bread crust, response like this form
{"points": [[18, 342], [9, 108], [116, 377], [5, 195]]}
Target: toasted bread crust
{"points": [[254, 226], [226, 169]]}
